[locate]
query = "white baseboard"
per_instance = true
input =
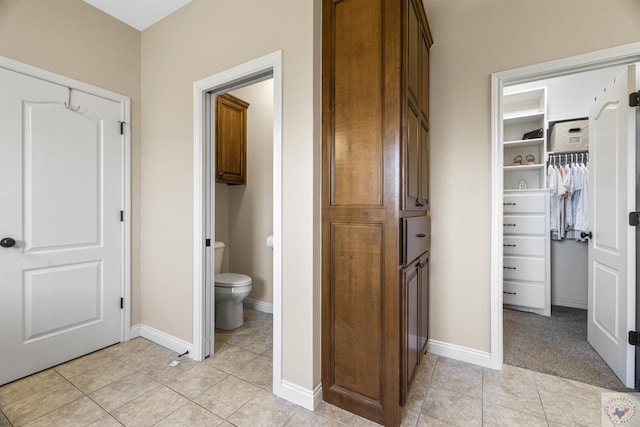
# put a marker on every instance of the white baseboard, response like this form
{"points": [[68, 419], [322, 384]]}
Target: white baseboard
{"points": [[308, 399], [163, 339], [569, 303], [464, 354], [262, 306], [135, 331]]}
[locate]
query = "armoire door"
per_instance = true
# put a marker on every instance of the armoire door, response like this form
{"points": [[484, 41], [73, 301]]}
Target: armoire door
{"points": [[611, 275], [61, 195], [360, 219]]}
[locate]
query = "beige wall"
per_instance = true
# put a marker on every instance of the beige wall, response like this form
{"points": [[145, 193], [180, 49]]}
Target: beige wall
{"points": [[248, 209], [197, 41], [75, 40], [221, 228], [472, 39]]}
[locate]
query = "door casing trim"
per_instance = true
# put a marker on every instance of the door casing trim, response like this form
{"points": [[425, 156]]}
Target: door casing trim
{"points": [[251, 71], [616, 56]]}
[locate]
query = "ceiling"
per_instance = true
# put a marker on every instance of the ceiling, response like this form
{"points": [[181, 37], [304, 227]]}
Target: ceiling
{"points": [[138, 14]]}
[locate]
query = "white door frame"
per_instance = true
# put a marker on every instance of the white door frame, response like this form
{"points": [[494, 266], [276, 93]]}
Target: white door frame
{"points": [[125, 103], [232, 78], [612, 57]]}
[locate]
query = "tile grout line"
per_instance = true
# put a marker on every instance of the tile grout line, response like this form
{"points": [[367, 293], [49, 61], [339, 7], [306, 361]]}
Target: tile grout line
{"points": [[6, 418], [68, 403], [138, 369]]}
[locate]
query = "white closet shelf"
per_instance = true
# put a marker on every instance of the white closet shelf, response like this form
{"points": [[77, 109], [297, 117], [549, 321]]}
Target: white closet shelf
{"points": [[527, 190], [534, 142], [528, 101], [524, 167], [516, 118], [526, 250]]}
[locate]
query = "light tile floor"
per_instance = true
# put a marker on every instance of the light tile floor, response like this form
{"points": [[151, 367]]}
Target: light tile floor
{"points": [[133, 384]]}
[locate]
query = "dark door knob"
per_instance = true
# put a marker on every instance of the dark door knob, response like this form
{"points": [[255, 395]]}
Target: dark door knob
{"points": [[583, 235], [7, 242]]}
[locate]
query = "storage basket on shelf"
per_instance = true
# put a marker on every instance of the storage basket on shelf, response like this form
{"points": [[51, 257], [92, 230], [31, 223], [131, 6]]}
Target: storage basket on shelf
{"points": [[570, 135]]}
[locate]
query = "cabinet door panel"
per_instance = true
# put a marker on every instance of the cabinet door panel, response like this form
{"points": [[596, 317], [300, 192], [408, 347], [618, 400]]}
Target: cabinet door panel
{"points": [[231, 139], [424, 166], [424, 305], [424, 76], [413, 53], [411, 159], [411, 322], [413, 289], [356, 324], [357, 141]]}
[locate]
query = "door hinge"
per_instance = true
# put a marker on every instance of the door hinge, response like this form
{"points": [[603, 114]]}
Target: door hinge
{"points": [[634, 99], [122, 126], [121, 303], [207, 242], [121, 216], [634, 218], [634, 338]]}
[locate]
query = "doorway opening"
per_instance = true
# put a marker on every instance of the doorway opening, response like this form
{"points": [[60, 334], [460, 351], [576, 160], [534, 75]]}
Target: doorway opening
{"points": [[267, 68], [526, 78]]}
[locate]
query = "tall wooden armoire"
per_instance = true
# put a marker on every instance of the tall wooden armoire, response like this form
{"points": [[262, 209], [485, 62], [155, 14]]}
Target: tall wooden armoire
{"points": [[375, 216]]}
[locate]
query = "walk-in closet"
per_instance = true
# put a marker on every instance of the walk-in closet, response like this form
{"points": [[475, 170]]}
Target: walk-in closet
{"points": [[550, 200]]}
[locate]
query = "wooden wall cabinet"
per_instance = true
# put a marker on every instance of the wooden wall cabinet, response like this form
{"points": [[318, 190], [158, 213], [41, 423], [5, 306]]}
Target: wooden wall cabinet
{"points": [[415, 319], [375, 175], [416, 161], [231, 139]]}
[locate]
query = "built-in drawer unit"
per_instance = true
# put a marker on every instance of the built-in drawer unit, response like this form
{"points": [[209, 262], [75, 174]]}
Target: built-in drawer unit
{"points": [[524, 203], [524, 294], [416, 237], [523, 268], [526, 250], [524, 245], [527, 225]]}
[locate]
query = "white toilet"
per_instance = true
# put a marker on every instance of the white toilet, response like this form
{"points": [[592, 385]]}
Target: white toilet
{"points": [[230, 290]]}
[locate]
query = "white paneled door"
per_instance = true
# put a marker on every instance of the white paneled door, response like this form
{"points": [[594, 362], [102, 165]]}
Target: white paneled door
{"points": [[61, 193], [611, 274]]}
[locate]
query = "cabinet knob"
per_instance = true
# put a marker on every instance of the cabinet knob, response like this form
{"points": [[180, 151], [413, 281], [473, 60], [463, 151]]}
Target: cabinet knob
{"points": [[509, 268], [421, 235], [220, 174], [508, 293]]}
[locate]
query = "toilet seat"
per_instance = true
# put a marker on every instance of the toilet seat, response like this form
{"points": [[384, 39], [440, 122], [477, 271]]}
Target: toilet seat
{"points": [[230, 280]]}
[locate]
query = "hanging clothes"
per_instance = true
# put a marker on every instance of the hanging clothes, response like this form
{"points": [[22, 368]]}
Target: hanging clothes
{"points": [[569, 210]]}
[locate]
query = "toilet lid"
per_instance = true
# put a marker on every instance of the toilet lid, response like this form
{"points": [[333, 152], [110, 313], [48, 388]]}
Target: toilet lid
{"points": [[232, 279]]}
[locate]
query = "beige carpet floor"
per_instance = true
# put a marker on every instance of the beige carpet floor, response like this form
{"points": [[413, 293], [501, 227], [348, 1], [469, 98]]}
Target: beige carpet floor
{"points": [[556, 345]]}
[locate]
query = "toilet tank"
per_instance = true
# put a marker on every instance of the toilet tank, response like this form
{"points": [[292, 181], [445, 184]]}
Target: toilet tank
{"points": [[218, 252]]}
